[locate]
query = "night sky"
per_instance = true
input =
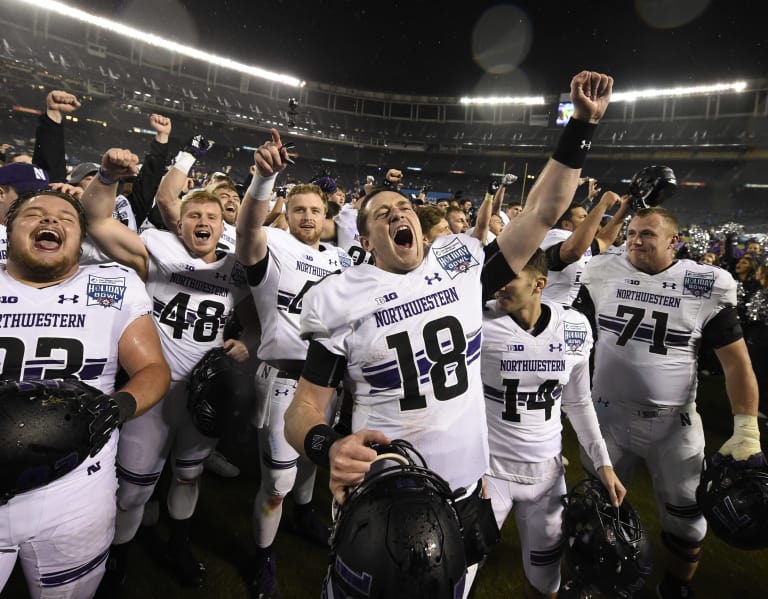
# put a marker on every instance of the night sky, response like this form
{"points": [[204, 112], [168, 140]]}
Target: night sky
{"points": [[430, 48]]}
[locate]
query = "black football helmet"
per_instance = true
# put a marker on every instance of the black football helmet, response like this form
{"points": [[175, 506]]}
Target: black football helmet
{"points": [[398, 534], [735, 502], [44, 432], [651, 186], [220, 391], [606, 548]]}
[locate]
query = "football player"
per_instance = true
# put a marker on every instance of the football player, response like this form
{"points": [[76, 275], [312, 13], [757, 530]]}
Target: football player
{"points": [[230, 201], [169, 207], [63, 320], [408, 338], [17, 179], [576, 239], [280, 267], [535, 356], [653, 314], [194, 287]]}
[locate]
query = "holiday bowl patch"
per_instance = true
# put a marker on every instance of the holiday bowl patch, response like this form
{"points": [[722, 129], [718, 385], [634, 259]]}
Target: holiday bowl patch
{"points": [[698, 284], [455, 258], [108, 293]]}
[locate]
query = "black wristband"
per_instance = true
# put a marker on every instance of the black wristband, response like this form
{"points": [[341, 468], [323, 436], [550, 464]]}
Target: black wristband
{"points": [[126, 403], [574, 143], [318, 443]]}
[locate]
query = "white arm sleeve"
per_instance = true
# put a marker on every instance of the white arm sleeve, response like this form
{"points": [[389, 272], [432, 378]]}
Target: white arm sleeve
{"points": [[577, 402]]}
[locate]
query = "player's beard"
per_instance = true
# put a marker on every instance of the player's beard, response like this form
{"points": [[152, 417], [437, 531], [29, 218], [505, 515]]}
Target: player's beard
{"points": [[310, 237], [31, 267]]}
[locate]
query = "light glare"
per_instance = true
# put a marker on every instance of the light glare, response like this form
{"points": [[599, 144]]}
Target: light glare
{"points": [[159, 42]]}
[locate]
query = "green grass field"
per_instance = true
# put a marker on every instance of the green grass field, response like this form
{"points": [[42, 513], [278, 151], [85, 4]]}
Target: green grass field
{"points": [[224, 538]]}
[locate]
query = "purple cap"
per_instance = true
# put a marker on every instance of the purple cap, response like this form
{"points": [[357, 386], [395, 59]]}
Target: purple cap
{"points": [[23, 177]]}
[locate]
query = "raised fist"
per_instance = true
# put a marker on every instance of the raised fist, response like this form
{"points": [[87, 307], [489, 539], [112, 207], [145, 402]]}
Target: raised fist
{"points": [[62, 101], [59, 102], [160, 123], [590, 94], [117, 163]]}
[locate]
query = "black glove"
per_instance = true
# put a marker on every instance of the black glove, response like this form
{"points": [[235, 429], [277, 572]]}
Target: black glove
{"points": [[493, 187], [198, 146], [108, 411]]}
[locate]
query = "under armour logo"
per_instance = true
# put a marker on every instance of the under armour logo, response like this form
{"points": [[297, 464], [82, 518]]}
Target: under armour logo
{"points": [[666, 284], [94, 468], [585, 145], [602, 401], [283, 392], [333, 262], [220, 275], [72, 299], [553, 347], [429, 279]]}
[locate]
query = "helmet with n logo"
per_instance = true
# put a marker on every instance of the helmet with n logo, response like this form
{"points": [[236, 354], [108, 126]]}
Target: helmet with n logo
{"points": [[606, 548], [398, 533], [735, 502]]}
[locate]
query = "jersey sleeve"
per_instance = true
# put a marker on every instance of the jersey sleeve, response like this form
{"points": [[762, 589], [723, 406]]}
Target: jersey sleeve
{"points": [[496, 270], [238, 279], [553, 237], [314, 323], [721, 330], [323, 367], [577, 403], [137, 302], [553, 257], [578, 388]]}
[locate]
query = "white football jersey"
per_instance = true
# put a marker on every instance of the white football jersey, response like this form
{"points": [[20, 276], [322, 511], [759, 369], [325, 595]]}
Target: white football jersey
{"points": [[650, 326], [293, 268], [191, 299], [348, 237], [90, 253], [227, 239], [525, 378], [412, 345], [563, 285], [124, 212], [71, 328]]}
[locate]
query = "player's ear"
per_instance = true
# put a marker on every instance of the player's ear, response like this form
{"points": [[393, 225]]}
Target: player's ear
{"points": [[540, 282], [365, 244]]}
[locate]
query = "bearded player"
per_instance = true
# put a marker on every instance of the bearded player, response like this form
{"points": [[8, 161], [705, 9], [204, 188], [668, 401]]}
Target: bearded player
{"points": [[62, 320], [281, 266]]}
